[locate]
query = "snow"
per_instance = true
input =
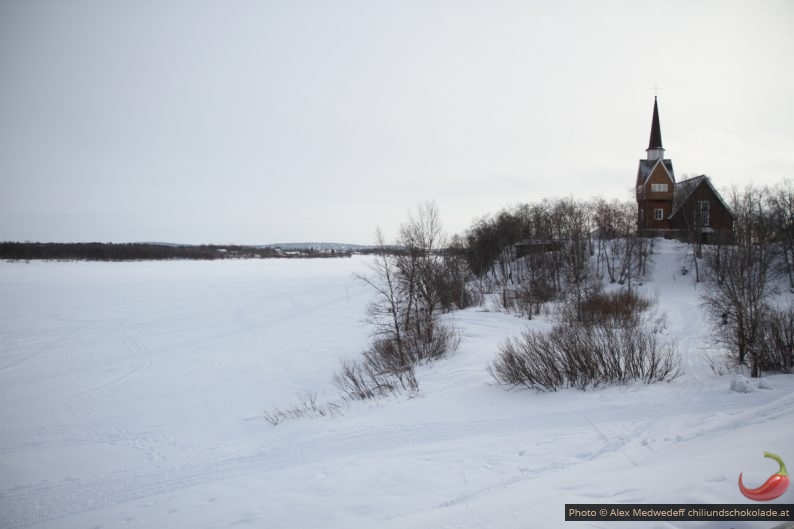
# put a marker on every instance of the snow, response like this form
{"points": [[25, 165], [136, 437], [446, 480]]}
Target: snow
{"points": [[742, 384], [132, 395]]}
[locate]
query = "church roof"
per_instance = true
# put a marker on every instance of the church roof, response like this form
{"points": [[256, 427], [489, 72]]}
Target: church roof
{"points": [[685, 188], [656, 131]]}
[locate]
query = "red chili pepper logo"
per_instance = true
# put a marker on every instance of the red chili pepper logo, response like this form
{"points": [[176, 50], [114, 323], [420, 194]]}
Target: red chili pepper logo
{"points": [[774, 487]]}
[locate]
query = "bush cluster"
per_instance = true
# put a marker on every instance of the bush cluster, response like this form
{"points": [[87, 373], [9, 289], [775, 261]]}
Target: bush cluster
{"points": [[601, 340], [621, 308], [584, 357], [387, 368]]}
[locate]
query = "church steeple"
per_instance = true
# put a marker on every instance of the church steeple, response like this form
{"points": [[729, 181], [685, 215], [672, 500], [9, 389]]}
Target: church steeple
{"points": [[655, 150]]}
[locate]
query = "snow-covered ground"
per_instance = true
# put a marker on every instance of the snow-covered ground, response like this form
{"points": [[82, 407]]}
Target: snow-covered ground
{"points": [[132, 396]]}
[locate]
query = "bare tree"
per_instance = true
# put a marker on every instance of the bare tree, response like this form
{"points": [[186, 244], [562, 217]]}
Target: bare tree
{"points": [[622, 251], [409, 280], [386, 312], [421, 267], [781, 204], [455, 290], [740, 278], [571, 222]]}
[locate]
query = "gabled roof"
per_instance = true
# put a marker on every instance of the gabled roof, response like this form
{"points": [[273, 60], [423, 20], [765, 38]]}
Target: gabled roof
{"points": [[646, 167], [656, 131], [685, 188]]}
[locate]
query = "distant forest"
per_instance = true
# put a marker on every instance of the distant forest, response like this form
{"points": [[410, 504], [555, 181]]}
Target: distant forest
{"points": [[97, 251]]}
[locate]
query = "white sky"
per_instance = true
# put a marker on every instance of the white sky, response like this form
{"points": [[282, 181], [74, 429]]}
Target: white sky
{"points": [[266, 121]]}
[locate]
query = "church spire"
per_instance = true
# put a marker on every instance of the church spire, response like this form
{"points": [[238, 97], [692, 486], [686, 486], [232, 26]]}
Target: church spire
{"points": [[655, 150]]}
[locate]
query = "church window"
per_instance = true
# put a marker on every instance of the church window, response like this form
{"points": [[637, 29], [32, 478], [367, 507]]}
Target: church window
{"points": [[658, 214], [659, 188], [702, 213]]}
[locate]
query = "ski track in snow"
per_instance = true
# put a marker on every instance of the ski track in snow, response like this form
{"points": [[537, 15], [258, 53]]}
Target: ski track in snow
{"points": [[23, 506], [127, 371], [29, 505]]}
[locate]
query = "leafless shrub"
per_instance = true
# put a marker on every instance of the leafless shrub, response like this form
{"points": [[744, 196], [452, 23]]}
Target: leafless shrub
{"points": [[624, 308], [431, 344], [355, 382], [531, 362], [362, 380], [388, 367], [776, 345], [307, 406], [584, 357], [620, 308], [720, 363], [518, 300], [659, 324], [528, 298]]}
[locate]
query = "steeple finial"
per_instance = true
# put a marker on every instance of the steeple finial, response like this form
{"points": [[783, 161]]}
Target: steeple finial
{"points": [[655, 150]]}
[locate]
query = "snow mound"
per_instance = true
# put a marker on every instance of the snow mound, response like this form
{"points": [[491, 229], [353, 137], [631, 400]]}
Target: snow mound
{"points": [[742, 384]]}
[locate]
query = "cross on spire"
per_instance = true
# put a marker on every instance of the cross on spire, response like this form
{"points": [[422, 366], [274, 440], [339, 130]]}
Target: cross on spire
{"points": [[656, 89]]}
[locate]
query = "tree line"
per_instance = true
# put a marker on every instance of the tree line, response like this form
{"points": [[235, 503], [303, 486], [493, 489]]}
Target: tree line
{"points": [[534, 253], [97, 251]]}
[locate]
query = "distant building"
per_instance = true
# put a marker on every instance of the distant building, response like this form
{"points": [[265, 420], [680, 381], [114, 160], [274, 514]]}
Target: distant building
{"points": [[680, 209]]}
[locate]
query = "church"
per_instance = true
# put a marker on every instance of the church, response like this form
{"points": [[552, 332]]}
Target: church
{"points": [[688, 209]]}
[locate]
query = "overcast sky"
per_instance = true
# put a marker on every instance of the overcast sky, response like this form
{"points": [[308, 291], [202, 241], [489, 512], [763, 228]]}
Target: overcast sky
{"points": [[276, 121]]}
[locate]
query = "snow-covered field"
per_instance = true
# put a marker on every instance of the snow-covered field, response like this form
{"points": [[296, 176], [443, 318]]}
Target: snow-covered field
{"points": [[132, 396]]}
